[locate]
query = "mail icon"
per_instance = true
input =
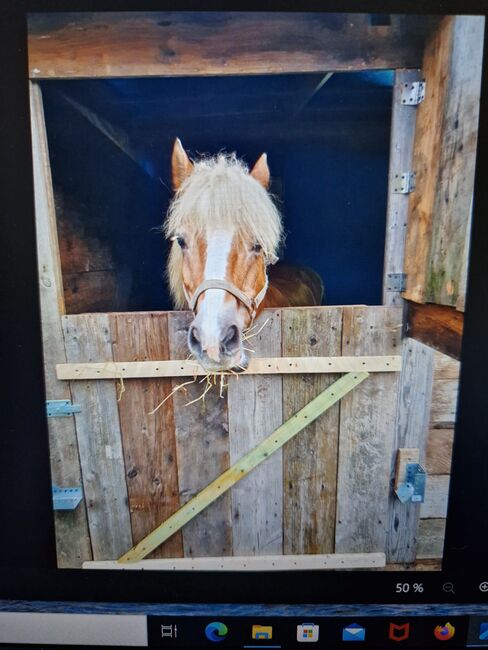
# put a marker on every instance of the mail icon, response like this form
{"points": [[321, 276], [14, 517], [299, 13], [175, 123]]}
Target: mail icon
{"points": [[354, 632]]}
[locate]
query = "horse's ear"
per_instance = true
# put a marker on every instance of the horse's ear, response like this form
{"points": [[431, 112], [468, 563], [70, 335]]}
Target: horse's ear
{"points": [[181, 166], [260, 171]]}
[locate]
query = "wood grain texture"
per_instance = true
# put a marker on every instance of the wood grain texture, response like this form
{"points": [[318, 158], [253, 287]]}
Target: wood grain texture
{"points": [[71, 527], [310, 460], [367, 432], [202, 447], [401, 151], [101, 44], [431, 538], [438, 326], [444, 403], [410, 431], [436, 496], [444, 160], [445, 367], [438, 455], [255, 411], [88, 338], [148, 440]]}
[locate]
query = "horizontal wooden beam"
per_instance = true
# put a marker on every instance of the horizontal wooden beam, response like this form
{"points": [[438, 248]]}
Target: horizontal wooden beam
{"points": [[251, 563], [263, 366], [136, 44], [245, 465], [438, 326]]}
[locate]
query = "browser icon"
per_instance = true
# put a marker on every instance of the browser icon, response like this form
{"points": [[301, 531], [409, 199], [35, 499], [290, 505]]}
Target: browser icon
{"points": [[354, 632]]}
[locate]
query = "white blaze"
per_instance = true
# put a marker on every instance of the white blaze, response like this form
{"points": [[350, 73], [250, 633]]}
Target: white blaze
{"points": [[211, 307]]}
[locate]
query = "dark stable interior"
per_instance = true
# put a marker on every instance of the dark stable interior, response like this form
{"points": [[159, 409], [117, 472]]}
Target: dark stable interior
{"points": [[110, 141]]}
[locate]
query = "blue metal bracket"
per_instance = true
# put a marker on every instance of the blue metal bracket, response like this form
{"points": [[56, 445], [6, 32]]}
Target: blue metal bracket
{"points": [[63, 408], [66, 498], [413, 488]]}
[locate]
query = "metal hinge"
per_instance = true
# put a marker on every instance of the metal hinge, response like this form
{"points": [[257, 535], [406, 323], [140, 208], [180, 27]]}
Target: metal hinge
{"points": [[66, 498], [413, 487], [61, 408], [396, 282], [412, 93], [404, 183]]}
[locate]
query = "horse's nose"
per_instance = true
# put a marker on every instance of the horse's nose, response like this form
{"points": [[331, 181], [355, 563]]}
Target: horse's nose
{"points": [[194, 341], [231, 341]]}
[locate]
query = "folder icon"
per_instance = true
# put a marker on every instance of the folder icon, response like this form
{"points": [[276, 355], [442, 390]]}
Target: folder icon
{"points": [[354, 632], [262, 632]]}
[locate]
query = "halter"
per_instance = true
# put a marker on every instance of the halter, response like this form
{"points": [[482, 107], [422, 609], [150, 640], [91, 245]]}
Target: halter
{"points": [[251, 304]]}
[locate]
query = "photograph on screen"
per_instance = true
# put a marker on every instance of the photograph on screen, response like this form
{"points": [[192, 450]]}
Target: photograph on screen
{"points": [[253, 239]]}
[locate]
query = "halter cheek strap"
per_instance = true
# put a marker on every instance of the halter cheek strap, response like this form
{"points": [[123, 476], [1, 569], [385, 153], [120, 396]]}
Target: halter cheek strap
{"points": [[251, 304]]}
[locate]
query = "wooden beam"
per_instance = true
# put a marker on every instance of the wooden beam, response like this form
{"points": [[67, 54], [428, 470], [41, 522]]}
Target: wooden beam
{"points": [[444, 161], [246, 464], [438, 326], [313, 562], [262, 366], [137, 44]]}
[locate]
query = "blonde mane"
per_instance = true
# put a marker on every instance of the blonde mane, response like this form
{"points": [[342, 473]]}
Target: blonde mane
{"points": [[220, 193]]}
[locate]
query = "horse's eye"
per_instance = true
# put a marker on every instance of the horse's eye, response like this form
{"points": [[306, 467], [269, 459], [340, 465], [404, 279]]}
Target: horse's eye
{"points": [[257, 248], [181, 242]]}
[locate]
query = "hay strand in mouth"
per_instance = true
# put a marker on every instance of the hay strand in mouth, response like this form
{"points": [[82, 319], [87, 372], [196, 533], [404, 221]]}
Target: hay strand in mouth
{"points": [[175, 390], [247, 334]]}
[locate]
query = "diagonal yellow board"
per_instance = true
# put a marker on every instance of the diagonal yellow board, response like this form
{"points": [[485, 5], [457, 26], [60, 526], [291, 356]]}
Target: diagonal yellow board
{"points": [[246, 464]]}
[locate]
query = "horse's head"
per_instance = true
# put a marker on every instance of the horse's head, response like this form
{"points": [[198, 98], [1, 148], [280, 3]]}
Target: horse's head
{"points": [[225, 231]]}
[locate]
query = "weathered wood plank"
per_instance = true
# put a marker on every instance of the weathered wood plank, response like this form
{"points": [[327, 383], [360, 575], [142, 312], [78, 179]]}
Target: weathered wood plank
{"points": [[88, 337], [411, 427], [255, 411], [445, 367], [436, 495], [261, 453], [366, 434], [444, 161], [438, 456], [444, 403], [402, 135], [257, 366], [202, 446], [438, 326], [310, 460], [431, 538], [102, 44], [148, 440], [71, 527], [335, 561]]}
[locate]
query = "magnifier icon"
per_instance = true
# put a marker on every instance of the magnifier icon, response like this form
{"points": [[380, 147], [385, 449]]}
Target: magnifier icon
{"points": [[448, 587]]}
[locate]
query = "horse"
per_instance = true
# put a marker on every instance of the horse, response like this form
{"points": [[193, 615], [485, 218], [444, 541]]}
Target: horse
{"points": [[226, 232]]}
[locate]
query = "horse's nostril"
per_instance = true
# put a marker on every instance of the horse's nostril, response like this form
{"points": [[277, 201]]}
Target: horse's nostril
{"points": [[194, 339], [231, 340]]}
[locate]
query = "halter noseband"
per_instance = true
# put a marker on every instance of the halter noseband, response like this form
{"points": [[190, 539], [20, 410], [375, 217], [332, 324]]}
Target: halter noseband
{"points": [[251, 304]]}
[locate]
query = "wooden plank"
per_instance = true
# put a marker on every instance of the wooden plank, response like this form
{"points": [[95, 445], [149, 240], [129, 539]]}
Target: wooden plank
{"points": [[88, 337], [401, 150], [332, 561], [444, 403], [438, 456], [405, 455], [202, 447], [102, 44], [436, 496], [148, 440], [366, 434], [431, 538], [444, 161], [71, 527], [438, 326], [310, 460], [410, 431], [445, 367], [255, 410], [257, 366], [246, 464]]}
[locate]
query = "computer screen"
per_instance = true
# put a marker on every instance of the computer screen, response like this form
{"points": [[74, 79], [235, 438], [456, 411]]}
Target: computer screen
{"points": [[243, 406]]}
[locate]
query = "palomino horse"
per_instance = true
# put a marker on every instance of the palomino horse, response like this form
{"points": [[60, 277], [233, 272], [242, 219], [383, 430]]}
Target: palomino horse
{"points": [[226, 232]]}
